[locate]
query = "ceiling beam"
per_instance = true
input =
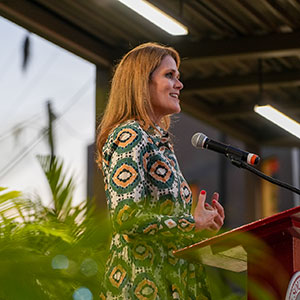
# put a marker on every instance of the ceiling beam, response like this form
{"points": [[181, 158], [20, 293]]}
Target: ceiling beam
{"points": [[45, 23], [239, 83], [273, 45]]}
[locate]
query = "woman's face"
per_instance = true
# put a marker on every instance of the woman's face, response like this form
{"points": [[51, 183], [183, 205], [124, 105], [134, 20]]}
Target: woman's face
{"points": [[165, 89]]}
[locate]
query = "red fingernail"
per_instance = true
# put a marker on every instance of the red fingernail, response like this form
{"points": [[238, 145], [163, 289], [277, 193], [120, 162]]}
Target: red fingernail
{"points": [[202, 192], [206, 204], [214, 201]]}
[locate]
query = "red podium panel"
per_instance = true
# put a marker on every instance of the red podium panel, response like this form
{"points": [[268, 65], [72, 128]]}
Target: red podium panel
{"points": [[269, 249]]}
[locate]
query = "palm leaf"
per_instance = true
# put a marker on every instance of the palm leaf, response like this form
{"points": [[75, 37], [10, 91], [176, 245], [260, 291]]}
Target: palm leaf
{"points": [[61, 188], [4, 196]]}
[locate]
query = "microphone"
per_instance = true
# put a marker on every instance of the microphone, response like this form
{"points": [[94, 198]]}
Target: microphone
{"points": [[200, 140]]}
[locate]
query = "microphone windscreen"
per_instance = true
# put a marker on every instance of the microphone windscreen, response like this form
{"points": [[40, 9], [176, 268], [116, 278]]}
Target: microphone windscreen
{"points": [[198, 140]]}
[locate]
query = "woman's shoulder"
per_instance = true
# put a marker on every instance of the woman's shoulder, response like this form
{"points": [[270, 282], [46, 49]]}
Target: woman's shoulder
{"points": [[128, 131], [127, 126]]}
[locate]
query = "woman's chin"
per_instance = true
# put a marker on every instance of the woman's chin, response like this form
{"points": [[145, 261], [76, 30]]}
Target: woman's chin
{"points": [[178, 109]]}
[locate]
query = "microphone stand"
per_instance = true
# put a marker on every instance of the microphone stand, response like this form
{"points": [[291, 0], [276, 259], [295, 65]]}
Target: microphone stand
{"points": [[236, 161]]}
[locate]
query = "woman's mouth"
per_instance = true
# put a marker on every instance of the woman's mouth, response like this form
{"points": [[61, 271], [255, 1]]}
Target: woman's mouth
{"points": [[174, 95]]}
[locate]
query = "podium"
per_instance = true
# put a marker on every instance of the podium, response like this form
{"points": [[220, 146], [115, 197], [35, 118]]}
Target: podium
{"points": [[268, 249]]}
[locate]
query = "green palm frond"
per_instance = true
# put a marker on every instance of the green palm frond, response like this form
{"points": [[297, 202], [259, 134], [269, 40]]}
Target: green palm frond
{"points": [[4, 196], [32, 235], [61, 188]]}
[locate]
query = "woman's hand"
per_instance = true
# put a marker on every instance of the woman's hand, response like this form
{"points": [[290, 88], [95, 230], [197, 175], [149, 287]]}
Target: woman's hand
{"points": [[208, 217]]}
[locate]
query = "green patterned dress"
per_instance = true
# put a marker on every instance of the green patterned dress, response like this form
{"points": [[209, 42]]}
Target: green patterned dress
{"points": [[149, 203]]}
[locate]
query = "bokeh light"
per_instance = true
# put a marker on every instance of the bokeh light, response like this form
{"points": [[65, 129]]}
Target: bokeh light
{"points": [[60, 262], [89, 267], [82, 293]]}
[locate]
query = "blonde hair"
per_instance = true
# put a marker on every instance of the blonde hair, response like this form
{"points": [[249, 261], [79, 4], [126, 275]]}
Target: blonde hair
{"points": [[129, 97]]}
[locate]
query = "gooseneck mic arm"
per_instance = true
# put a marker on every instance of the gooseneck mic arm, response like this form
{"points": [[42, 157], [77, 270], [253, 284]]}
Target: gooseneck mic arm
{"points": [[238, 158], [239, 163]]}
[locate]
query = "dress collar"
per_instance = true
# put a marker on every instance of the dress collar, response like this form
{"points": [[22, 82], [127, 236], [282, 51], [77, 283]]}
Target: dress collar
{"points": [[159, 135]]}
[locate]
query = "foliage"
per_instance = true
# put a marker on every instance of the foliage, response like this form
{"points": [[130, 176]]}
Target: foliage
{"points": [[50, 252], [55, 251]]}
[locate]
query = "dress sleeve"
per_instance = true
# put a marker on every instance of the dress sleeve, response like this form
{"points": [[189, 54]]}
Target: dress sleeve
{"points": [[142, 188]]}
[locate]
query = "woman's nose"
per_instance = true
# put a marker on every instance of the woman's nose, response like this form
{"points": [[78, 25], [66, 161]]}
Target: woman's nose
{"points": [[179, 84]]}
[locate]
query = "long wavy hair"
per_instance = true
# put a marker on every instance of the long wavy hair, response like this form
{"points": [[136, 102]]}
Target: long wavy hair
{"points": [[129, 97]]}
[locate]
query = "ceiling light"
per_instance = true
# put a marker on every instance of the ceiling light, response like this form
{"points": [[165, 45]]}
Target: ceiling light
{"points": [[280, 119], [156, 16]]}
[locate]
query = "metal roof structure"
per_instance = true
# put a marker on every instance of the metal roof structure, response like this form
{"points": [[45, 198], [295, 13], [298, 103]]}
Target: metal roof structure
{"points": [[238, 53]]}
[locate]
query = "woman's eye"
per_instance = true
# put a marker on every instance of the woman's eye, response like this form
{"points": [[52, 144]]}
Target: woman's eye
{"points": [[169, 75]]}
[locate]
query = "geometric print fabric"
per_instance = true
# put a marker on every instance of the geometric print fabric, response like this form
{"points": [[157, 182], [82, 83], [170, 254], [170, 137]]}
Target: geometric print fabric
{"points": [[149, 203], [125, 176]]}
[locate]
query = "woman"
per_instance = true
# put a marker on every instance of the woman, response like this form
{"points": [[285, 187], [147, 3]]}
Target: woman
{"points": [[148, 198]]}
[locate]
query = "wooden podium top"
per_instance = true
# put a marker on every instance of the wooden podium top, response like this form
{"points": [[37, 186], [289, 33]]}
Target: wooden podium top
{"points": [[228, 250]]}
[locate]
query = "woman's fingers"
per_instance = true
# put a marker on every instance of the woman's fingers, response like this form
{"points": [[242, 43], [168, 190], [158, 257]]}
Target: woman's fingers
{"points": [[213, 227], [217, 205], [215, 196], [219, 221], [209, 216], [219, 218], [219, 208], [201, 201], [208, 206]]}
